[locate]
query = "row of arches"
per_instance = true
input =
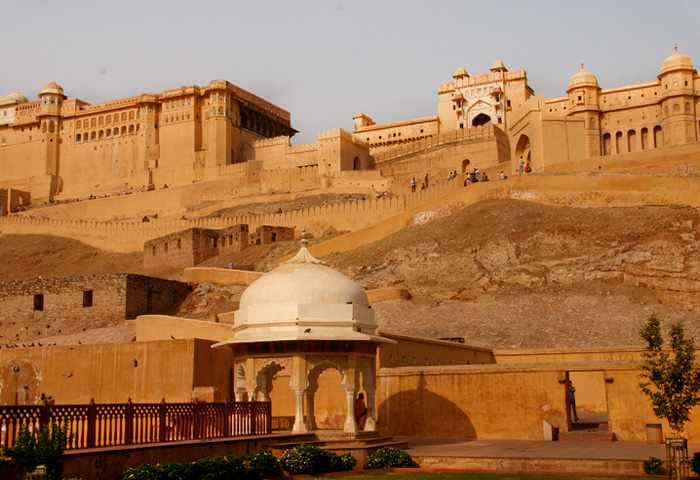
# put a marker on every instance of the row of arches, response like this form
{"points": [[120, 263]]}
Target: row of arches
{"points": [[326, 384], [108, 133], [632, 141], [261, 125], [104, 120]]}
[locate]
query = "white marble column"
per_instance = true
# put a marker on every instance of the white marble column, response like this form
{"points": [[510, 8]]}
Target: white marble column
{"points": [[350, 423], [310, 416], [371, 422], [299, 424]]}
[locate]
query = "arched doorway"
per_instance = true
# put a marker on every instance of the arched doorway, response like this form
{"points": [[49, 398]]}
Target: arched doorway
{"points": [[356, 164], [325, 398], [481, 119], [523, 149], [465, 165]]}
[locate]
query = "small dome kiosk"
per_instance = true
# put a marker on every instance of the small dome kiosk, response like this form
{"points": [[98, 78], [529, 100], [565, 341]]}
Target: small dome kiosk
{"points": [[305, 317]]}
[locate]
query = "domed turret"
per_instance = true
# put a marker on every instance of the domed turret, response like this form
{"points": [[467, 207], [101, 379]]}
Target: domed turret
{"points": [[583, 78], [498, 66], [676, 61], [304, 299], [15, 97], [52, 87], [461, 72]]}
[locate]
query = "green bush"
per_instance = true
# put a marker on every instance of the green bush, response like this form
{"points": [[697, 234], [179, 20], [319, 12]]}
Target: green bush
{"points": [[695, 463], [218, 468], [145, 471], [262, 465], [388, 457], [305, 460], [45, 447], [342, 463], [652, 466]]}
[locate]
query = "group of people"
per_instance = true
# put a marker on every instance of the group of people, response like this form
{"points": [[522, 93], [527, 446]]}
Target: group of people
{"points": [[476, 176], [524, 166]]}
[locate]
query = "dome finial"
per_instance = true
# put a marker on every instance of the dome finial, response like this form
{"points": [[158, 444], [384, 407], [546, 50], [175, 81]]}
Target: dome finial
{"points": [[675, 47], [303, 242], [304, 256], [582, 66]]}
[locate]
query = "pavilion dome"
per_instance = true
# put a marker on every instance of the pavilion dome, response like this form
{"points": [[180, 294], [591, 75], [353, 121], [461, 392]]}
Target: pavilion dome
{"points": [[304, 299], [15, 97], [583, 78], [498, 65], [461, 72], [52, 87], [676, 61], [304, 280]]}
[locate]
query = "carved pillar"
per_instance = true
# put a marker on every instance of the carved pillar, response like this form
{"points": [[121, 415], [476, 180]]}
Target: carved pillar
{"points": [[251, 395], [310, 416], [371, 422], [299, 424], [350, 423]]}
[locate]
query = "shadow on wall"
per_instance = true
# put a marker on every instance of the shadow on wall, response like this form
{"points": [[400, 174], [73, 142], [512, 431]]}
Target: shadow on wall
{"points": [[420, 412]]}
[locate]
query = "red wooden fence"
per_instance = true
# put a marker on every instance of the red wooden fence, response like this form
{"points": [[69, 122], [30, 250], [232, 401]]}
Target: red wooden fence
{"points": [[113, 424]]}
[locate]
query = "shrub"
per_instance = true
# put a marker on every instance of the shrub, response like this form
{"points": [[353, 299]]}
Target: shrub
{"points": [[652, 465], [389, 457], [218, 468], [343, 463], [144, 471], [695, 463], [305, 459], [262, 465], [45, 447]]}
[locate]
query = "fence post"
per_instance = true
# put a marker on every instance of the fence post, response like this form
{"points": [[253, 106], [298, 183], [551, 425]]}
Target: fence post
{"points": [[253, 413], [129, 423], [161, 422], [227, 420], [91, 424], [268, 412], [195, 420], [44, 415]]}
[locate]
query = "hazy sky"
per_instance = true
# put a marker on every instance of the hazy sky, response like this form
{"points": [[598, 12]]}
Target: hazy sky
{"points": [[324, 61]]}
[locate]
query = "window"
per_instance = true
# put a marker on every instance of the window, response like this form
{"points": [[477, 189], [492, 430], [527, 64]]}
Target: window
{"points": [[179, 244], [166, 247], [87, 298], [38, 302]]}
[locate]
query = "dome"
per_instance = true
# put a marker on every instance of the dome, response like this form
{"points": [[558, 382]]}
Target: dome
{"points": [[461, 72], [676, 61], [304, 281], [52, 87], [15, 97], [304, 299], [582, 78], [498, 65]]}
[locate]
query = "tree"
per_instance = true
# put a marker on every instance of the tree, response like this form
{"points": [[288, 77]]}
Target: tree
{"points": [[44, 447], [670, 379]]}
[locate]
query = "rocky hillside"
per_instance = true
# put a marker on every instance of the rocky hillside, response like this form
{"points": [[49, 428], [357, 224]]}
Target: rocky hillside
{"points": [[502, 274]]}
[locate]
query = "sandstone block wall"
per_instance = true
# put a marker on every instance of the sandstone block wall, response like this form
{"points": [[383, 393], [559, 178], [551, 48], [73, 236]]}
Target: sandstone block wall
{"points": [[51, 306], [265, 234], [192, 246]]}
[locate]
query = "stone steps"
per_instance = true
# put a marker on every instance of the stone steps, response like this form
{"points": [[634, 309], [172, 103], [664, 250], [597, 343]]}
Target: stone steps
{"points": [[588, 432], [361, 444]]}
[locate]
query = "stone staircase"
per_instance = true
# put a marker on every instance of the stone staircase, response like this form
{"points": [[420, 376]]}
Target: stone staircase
{"points": [[588, 432], [360, 444]]}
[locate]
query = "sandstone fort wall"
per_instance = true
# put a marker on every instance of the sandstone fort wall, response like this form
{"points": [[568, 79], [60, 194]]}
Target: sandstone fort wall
{"points": [[51, 306]]}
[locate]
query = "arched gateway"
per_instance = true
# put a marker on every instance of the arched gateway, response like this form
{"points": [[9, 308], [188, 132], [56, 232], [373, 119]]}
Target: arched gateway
{"points": [[305, 318]]}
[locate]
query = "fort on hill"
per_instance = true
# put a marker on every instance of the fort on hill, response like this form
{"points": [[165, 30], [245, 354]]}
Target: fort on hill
{"points": [[158, 170]]}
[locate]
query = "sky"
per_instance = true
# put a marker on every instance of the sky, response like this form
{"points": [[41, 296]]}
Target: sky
{"points": [[324, 61]]}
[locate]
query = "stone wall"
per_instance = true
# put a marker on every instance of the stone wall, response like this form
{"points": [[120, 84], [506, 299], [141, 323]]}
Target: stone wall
{"points": [[192, 246], [51, 306], [265, 234]]}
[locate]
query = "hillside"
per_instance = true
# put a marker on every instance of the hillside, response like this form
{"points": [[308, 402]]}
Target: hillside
{"points": [[502, 273]]}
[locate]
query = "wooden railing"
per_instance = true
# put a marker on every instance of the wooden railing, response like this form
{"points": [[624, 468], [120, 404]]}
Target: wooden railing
{"points": [[115, 424]]}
